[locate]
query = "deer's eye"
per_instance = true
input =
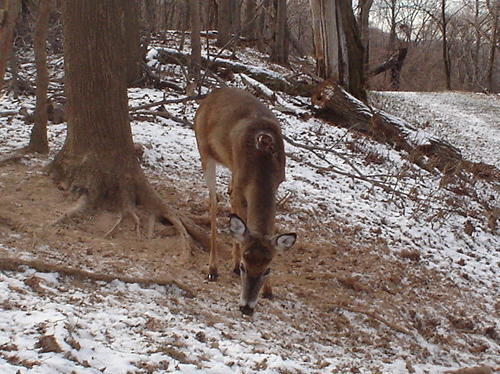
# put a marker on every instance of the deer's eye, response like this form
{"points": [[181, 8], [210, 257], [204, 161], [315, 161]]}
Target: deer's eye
{"points": [[267, 272]]}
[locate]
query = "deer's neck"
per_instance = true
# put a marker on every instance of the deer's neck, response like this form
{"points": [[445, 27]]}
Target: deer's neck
{"points": [[261, 203]]}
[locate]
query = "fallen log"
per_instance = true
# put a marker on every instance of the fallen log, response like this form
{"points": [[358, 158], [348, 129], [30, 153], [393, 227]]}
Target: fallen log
{"points": [[337, 105], [271, 79]]}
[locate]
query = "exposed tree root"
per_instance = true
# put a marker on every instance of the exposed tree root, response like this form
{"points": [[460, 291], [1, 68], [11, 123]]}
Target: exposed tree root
{"points": [[81, 206], [13, 264], [103, 187], [13, 156]]}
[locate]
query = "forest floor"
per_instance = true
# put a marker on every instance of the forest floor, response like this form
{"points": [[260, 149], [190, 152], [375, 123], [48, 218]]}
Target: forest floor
{"points": [[379, 282]]}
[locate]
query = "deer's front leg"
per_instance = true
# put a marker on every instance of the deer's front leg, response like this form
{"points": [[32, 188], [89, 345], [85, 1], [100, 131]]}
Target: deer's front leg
{"points": [[236, 258], [209, 169], [238, 206]]}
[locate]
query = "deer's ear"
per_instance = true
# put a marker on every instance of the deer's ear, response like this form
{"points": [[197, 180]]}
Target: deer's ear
{"points": [[237, 227], [285, 241]]}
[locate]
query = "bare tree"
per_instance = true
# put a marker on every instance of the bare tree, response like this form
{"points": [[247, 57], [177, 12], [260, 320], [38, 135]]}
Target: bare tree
{"points": [[8, 16], [338, 48], [250, 19], [194, 11], [224, 15], [494, 9], [38, 141], [364, 7], [279, 52], [446, 51]]}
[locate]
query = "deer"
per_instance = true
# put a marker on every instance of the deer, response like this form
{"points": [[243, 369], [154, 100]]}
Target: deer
{"points": [[235, 130]]}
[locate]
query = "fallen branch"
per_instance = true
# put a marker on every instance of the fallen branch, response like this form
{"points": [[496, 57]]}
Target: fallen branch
{"points": [[167, 115], [9, 113], [166, 101], [13, 264]]}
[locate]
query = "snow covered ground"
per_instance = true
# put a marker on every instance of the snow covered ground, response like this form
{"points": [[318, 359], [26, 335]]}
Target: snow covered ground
{"points": [[51, 324]]}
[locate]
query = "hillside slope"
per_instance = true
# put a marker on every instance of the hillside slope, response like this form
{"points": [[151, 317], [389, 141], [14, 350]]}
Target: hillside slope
{"points": [[402, 278]]}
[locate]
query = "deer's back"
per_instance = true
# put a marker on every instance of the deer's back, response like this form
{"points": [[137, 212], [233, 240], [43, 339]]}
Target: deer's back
{"points": [[226, 125]]}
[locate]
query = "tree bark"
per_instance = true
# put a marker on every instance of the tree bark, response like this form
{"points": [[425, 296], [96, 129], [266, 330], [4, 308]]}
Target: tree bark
{"points": [[326, 39], [195, 39], [262, 25], [7, 23], [363, 23], [279, 53], [495, 10], [130, 27], [249, 19], [38, 140], [223, 22], [354, 48]]}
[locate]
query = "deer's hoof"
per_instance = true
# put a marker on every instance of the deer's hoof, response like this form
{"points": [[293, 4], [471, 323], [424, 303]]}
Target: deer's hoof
{"points": [[246, 310], [212, 277], [267, 295]]}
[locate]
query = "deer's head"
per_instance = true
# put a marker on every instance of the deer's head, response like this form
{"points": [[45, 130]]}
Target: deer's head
{"points": [[257, 253]]}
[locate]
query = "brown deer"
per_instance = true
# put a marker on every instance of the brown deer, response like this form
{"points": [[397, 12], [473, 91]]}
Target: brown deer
{"points": [[236, 130]]}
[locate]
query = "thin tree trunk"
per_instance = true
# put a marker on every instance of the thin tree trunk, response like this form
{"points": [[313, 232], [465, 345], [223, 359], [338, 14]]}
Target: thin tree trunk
{"points": [[14, 71], [279, 53], [262, 24], [10, 13], [223, 22], [249, 19], [195, 39], [38, 141], [446, 54], [363, 23], [494, 40]]}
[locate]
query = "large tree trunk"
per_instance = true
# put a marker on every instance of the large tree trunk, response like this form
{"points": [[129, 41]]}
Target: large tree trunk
{"points": [[7, 24], [354, 59], [98, 155], [132, 36], [98, 160], [279, 53], [38, 141], [326, 39]]}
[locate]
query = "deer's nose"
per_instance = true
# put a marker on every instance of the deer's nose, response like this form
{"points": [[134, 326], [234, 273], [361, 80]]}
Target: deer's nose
{"points": [[245, 309]]}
